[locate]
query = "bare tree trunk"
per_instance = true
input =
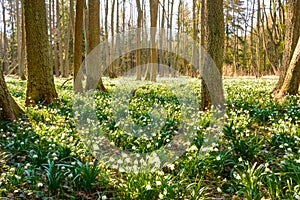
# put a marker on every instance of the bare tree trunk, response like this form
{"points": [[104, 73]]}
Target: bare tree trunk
{"points": [[59, 38], [72, 35], [258, 44], [215, 48], [291, 81], [111, 70], [55, 39], [93, 40], [170, 48], [19, 37], [5, 42], [40, 83], [153, 55], [138, 35], [291, 36], [9, 109], [77, 84], [67, 41], [195, 36], [51, 24], [23, 47], [12, 57]]}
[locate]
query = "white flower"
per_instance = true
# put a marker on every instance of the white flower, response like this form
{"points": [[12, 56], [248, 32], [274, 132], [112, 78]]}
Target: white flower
{"points": [[70, 175], [161, 196], [35, 156], [73, 163], [17, 177], [193, 148], [148, 186], [297, 197], [240, 159], [218, 158], [219, 189], [158, 182], [171, 166], [12, 169], [40, 185], [121, 169], [104, 197]]}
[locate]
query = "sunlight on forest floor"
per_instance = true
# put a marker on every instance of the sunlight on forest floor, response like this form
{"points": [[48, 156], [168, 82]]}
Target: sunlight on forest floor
{"points": [[257, 157]]}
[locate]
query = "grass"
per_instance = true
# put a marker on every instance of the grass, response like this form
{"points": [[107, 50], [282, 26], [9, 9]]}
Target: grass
{"points": [[257, 157]]}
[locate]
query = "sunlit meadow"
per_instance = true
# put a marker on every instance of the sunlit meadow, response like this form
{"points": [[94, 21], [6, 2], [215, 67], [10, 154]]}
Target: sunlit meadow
{"points": [[256, 157]]}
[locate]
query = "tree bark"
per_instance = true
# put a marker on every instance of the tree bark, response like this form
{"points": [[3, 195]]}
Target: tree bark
{"points": [[93, 40], [291, 81], [59, 38], [9, 109], [40, 84], [215, 48], [153, 55], [291, 36], [138, 35], [77, 84], [23, 47], [5, 42]]}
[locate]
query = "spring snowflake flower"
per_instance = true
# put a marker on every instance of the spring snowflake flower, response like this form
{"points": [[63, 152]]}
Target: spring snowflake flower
{"points": [[193, 148], [158, 182], [40, 185], [171, 166], [148, 186], [35, 156], [218, 158], [240, 159], [104, 197]]}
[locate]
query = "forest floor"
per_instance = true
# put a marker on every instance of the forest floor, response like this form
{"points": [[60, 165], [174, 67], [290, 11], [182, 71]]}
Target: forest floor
{"points": [[257, 154]]}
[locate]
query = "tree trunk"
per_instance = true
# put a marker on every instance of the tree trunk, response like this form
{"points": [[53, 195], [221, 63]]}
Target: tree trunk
{"points": [[138, 35], [93, 40], [291, 36], [215, 48], [111, 68], [59, 38], [23, 47], [258, 44], [67, 42], [153, 55], [77, 84], [40, 84], [195, 36], [9, 109], [291, 81], [55, 39], [5, 42], [19, 36]]}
